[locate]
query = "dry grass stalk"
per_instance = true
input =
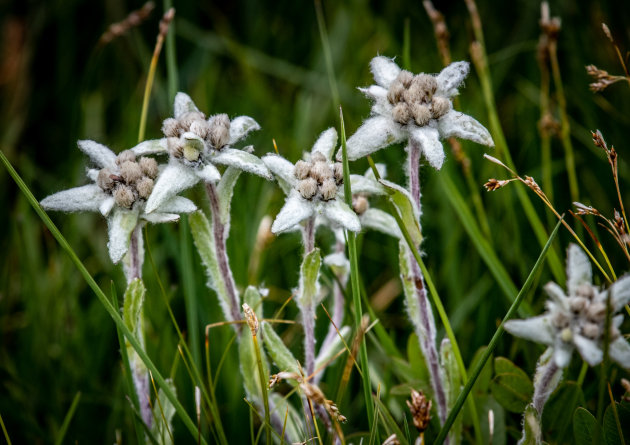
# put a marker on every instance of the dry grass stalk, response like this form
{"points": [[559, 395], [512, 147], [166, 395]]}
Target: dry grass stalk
{"points": [[602, 79], [135, 18]]}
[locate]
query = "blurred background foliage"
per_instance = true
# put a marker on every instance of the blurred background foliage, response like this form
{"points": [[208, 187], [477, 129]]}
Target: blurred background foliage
{"points": [[264, 59]]}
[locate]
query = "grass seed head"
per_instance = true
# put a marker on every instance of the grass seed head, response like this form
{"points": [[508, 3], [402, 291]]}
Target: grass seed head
{"points": [[420, 408]]}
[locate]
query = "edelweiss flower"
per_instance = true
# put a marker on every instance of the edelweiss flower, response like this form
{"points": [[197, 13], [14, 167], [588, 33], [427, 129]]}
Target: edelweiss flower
{"points": [[416, 108], [577, 319], [195, 145], [122, 184], [313, 187]]}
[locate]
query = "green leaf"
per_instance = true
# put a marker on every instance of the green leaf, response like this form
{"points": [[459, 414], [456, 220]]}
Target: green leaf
{"points": [[406, 209], [512, 391], [279, 353], [309, 272], [564, 400], [293, 429], [532, 434], [453, 386], [249, 368], [504, 366], [225, 190], [482, 384], [132, 305], [612, 430], [163, 412], [585, 428], [333, 348], [416, 359], [253, 298]]}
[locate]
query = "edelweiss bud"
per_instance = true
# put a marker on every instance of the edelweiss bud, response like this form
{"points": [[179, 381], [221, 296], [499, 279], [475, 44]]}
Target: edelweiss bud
{"points": [[577, 304], [440, 106], [321, 171], [328, 189], [125, 156], [401, 113], [200, 128], [585, 290], [123, 195], [171, 127], [596, 311], [338, 172], [149, 167], [130, 171], [591, 330], [405, 78], [426, 84], [219, 134], [318, 157], [421, 114], [175, 147], [566, 335], [307, 188], [104, 180], [144, 187], [560, 320], [360, 204], [395, 92], [186, 119], [302, 169]]}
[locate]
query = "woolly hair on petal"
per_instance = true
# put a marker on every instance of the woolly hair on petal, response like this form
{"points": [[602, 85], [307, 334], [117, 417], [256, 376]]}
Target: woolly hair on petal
{"points": [[107, 205], [384, 70], [619, 351], [159, 218], [243, 161], [87, 198], [620, 293], [429, 139], [451, 77], [326, 143], [363, 184], [183, 104], [240, 127], [173, 179], [562, 353], [102, 156], [556, 293], [376, 219], [120, 225], [208, 173], [339, 213], [537, 329], [150, 147], [579, 269], [295, 210], [460, 125], [282, 170], [375, 133], [588, 349], [178, 204]]}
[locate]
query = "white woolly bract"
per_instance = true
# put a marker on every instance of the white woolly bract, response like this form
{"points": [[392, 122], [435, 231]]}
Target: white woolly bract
{"points": [[537, 329], [183, 104], [384, 70], [172, 180], [178, 204], [376, 219], [208, 173], [120, 224], [243, 161], [451, 77], [429, 139], [87, 198], [579, 269], [460, 125], [326, 143], [375, 133], [295, 210], [240, 127], [282, 170], [620, 293], [102, 156], [340, 214], [619, 351], [150, 147]]}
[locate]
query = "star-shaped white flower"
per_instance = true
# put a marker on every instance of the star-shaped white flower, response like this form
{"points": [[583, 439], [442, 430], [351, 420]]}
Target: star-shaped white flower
{"points": [[415, 108], [196, 145], [577, 320], [122, 184], [313, 187]]}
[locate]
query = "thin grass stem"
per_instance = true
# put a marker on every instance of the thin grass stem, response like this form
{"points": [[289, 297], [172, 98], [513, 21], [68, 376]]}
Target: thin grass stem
{"points": [[66, 421], [4, 431]]}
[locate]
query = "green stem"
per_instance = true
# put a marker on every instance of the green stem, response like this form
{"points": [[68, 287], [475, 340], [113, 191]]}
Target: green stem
{"points": [[68, 419], [354, 279], [188, 284], [321, 23], [4, 431], [171, 59], [494, 341], [263, 385]]}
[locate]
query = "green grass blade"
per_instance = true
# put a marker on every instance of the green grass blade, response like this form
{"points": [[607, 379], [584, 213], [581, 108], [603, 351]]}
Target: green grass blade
{"points": [[111, 310], [390, 423], [172, 77], [495, 339], [482, 245], [354, 279], [323, 34], [68, 419], [4, 431], [190, 292]]}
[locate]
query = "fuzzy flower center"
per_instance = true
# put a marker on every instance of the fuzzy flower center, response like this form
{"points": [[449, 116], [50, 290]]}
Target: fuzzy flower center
{"points": [[318, 178], [214, 131], [132, 181], [414, 100], [586, 315]]}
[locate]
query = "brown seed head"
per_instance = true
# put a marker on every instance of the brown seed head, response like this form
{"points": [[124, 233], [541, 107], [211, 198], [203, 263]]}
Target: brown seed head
{"points": [[577, 304], [420, 408], [596, 311], [123, 195], [395, 92], [307, 188], [124, 156], [421, 114], [250, 317], [171, 128], [175, 147], [591, 330], [302, 169], [318, 157], [149, 167], [201, 128], [186, 119], [328, 189], [585, 290], [130, 171], [494, 184], [560, 320], [104, 180], [144, 187]]}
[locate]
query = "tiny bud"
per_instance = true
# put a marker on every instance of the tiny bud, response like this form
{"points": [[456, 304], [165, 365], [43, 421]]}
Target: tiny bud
{"points": [[401, 113], [405, 78], [149, 167], [307, 188], [104, 179], [440, 106], [130, 172], [123, 195], [219, 134], [338, 172], [321, 171], [560, 320], [250, 317], [328, 189], [186, 119], [175, 147], [171, 128], [302, 169], [144, 187], [577, 304], [420, 408], [423, 87], [596, 311], [395, 92], [590, 330], [125, 156], [200, 128], [494, 184], [585, 290], [421, 114], [360, 204], [566, 335]]}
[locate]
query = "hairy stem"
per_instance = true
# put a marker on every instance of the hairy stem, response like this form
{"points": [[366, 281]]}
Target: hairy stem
{"points": [[546, 381], [220, 238]]}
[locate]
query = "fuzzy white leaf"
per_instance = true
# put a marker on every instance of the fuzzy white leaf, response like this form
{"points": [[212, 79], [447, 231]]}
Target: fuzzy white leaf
{"points": [[363, 184], [121, 223], [240, 127], [619, 351], [407, 209], [277, 350], [107, 205], [339, 213], [243, 161], [150, 147], [159, 217], [208, 173], [381, 221], [183, 104], [177, 204], [87, 198], [588, 349], [556, 293], [225, 190], [537, 329], [562, 353], [296, 209], [338, 263], [375, 133], [620, 293], [173, 179], [460, 125], [102, 156], [326, 143], [380, 168], [451, 77], [384, 70], [92, 173], [578, 268], [308, 282], [429, 139], [282, 169]]}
